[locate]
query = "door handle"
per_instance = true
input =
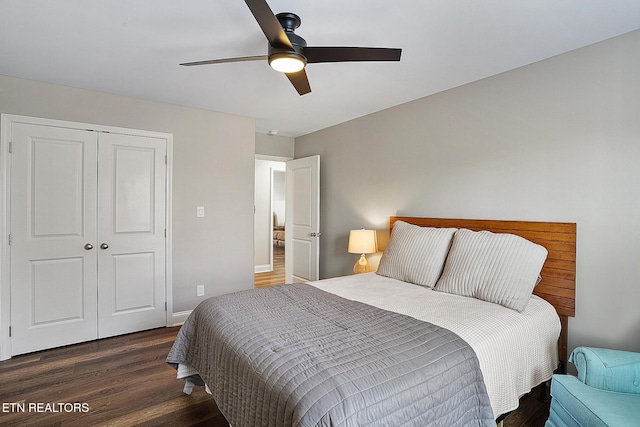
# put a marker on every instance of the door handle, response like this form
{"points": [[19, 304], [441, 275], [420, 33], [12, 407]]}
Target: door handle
{"points": [[104, 246], [315, 234], [88, 246]]}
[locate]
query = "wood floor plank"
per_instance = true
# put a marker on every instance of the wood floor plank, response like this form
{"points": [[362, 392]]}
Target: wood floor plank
{"points": [[275, 277]]}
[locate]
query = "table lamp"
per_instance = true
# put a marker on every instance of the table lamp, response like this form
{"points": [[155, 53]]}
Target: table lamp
{"points": [[362, 242]]}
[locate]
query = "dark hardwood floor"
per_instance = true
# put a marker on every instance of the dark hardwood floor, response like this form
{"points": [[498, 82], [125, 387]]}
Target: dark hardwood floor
{"points": [[124, 381]]}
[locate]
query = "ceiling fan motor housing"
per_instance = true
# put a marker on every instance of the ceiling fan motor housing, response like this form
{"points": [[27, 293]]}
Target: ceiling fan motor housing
{"points": [[289, 22]]}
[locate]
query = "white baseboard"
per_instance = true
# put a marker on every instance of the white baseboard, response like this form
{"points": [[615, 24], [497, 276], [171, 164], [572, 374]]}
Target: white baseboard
{"points": [[263, 268], [179, 318]]}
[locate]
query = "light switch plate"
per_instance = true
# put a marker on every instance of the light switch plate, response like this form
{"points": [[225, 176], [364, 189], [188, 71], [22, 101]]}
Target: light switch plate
{"points": [[200, 290], [200, 212]]}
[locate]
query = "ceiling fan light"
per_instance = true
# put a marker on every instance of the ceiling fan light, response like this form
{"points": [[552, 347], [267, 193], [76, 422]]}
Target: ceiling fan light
{"points": [[287, 62]]}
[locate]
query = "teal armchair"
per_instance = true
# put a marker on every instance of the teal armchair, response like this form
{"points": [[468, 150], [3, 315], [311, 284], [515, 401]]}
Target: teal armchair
{"points": [[605, 393]]}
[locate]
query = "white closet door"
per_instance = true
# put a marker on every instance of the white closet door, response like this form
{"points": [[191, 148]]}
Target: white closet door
{"points": [[53, 211], [131, 246]]}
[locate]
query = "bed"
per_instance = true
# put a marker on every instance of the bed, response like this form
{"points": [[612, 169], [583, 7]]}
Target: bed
{"points": [[404, 346]]}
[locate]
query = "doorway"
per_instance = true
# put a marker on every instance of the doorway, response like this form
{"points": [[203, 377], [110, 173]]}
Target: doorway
{"points": [[269, 222], [302, 220]]}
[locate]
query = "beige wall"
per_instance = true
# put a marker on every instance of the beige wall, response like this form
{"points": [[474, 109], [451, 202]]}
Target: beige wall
{"points": [[557, 140], [213, 166], [274, 146]]}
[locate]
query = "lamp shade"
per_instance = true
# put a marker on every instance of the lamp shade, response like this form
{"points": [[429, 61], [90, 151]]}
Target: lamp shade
{"points": [[363, 242]]}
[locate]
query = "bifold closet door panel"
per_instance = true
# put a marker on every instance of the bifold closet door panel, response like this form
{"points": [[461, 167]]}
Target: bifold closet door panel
{"points": [[131, 221], [53, 233]]}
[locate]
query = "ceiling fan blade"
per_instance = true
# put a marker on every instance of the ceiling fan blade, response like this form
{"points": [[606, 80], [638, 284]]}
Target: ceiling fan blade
{"points": [[269, 23], [221, 61], [300, 81], [350, 54]]}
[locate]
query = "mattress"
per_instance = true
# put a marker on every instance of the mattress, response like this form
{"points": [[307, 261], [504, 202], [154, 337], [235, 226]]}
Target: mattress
{"points": [[516, 351], [296, 355]]}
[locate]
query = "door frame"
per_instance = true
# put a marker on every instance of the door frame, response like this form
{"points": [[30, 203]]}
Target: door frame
{"points": [[6, 120], [283, 160]]}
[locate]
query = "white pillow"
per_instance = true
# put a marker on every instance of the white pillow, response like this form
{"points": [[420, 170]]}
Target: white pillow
{"points": [[499, 268], [416, 254]]}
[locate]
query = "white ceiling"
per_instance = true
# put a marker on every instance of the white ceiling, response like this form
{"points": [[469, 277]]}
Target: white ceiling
{"points": [[133, 48]]}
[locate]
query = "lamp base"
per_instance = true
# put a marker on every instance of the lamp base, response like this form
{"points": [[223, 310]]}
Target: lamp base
{"points": [[362, 265]]}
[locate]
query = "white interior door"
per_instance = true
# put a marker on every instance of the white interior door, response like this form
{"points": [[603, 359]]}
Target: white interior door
{"points": [[53, 231], [131, 247], [302, 220], [87, 242]]}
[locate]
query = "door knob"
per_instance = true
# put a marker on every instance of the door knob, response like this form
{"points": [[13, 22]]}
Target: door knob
{"points": [[315, 234], [88, 246], [104, 246]]}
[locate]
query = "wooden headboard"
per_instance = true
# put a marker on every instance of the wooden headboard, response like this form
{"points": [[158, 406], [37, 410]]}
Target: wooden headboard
{"points": [[558, 285]]}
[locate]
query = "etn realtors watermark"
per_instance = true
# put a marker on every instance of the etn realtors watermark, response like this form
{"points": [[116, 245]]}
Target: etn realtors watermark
{"points": [[43, 407]]}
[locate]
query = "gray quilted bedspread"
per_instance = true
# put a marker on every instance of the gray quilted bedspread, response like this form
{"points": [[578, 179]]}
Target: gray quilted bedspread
{"points": [[295, 355]]}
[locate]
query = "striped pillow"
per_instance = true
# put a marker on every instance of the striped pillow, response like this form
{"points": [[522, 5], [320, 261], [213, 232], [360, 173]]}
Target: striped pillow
{"points": [[416, 254], [499, 268]]}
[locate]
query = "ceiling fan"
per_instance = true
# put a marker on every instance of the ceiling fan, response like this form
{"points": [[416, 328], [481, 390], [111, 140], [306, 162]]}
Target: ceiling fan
{"points": [[289, 53]]}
